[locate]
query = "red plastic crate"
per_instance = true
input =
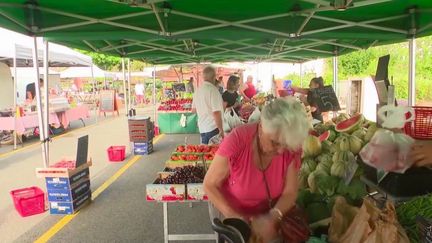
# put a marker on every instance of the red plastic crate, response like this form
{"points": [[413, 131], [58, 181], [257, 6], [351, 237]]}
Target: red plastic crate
{"points": [[116, 153], [29, 201], [421, 127]]}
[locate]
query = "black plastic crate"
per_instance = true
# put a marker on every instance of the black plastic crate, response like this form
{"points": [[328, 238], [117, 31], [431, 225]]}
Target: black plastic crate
{"points": [[414, 182]]}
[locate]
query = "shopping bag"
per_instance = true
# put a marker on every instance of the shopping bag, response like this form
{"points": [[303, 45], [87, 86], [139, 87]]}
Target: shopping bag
{"points": [[231, 119], [370, 224], [388, 150], [215, 140], [255, 116]]}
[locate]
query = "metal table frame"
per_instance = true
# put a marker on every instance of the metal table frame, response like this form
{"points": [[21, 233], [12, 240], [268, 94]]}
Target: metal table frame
{"points": [[182, 237]]}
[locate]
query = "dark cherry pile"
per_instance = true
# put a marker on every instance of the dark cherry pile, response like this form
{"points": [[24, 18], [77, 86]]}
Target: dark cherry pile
{"points": [[187, 174]]}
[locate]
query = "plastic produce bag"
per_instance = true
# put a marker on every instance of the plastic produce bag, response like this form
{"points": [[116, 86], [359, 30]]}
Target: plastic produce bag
{"points": [[389, 150], [215, 140], [255, 116], [231, 120]]}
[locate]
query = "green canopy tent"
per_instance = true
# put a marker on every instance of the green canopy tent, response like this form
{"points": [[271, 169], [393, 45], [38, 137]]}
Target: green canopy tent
{"points": [[192, 31]]}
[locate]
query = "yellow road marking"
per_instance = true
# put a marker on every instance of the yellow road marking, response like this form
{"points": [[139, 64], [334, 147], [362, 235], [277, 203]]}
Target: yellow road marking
{"points": [[53, 138], [66, 219]]}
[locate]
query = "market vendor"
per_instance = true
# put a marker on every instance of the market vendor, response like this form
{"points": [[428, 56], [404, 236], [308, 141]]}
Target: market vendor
{"points": [[230, 96], [31, 90], [315, 83], [257, 160], [248, 89], [421, 153]]}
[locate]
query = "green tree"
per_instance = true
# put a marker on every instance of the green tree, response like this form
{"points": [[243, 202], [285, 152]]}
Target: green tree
{"points": [[106, 62]]}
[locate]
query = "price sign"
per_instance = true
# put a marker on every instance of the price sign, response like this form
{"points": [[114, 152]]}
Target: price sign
{"points": [[325, 99], [107, 100], [179, 87]]}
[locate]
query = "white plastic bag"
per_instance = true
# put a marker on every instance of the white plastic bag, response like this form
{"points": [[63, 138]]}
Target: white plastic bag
{"points": [[215, 140], [255, 116], [389, 150], [231, 119], [183, 120]]}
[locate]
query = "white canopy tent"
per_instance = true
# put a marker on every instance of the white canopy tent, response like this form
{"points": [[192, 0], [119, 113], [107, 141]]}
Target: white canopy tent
{"points": [[86, 72], [17, 50]]}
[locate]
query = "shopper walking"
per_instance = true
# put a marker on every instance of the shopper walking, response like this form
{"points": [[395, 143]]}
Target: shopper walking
{"points": [[254, 174], [207, 102], [139, 93]]}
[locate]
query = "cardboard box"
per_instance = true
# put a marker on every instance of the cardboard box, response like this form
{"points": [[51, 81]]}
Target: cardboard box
{"points": [[69, 195], [195, 191], [179, 164], [165, 192], [66, 183], [70, 207], [61, 172]]}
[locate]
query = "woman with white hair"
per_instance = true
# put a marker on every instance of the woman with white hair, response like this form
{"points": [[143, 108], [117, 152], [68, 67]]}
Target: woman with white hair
{"points": [[254, 174]]}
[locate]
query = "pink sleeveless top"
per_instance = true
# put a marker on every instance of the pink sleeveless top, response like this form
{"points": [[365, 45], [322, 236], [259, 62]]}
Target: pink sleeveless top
{"points": [[245, 188]]}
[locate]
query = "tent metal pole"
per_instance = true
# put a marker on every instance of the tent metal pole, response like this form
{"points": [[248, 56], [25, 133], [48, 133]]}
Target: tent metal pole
{"points": [[46, 95], [94, 92], [154, 93], [412, 69], [335, 78], [39, 102], [129, 84], [301, 74], [124, 86], [15, 96]]}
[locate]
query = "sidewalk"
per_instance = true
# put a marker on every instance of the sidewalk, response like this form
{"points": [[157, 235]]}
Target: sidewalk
{"points": [[17, 170]]}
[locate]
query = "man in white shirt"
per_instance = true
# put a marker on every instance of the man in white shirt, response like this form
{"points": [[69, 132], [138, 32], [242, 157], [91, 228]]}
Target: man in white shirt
{"points": [[208, 104], [139, 93]]}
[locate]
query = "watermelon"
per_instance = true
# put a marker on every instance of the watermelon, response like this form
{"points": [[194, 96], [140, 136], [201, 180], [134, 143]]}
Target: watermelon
{"points": [[350, 125], [370, 132], [345, 156], [324, 136], [324, 166], [311, 147], [339, 169], [308, 165], [360, 133], [328, 147]]}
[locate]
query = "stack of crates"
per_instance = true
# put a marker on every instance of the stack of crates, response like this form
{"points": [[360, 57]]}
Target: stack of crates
{"points": [[69, 192], [141, 134]]}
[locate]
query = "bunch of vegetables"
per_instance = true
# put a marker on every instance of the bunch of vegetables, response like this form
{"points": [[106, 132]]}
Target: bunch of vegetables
{"points": [[408, 212], [329, 167]]}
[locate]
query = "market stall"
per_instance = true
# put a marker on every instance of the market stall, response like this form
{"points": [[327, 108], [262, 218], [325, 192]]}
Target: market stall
{"points": [[174, 114], [181, 182]]}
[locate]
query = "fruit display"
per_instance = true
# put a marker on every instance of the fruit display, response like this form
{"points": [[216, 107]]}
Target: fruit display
{"points": [[185, 157], [246, 110], [181, 105], [329, 165], [199, 149], [183, 175], [259, 99]]}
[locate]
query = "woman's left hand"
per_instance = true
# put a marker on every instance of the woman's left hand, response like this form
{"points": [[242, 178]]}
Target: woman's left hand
{"points": [[265, 227]]}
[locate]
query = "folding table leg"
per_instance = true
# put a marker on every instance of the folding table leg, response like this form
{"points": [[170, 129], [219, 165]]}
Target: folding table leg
{"points": [[165, 218]]}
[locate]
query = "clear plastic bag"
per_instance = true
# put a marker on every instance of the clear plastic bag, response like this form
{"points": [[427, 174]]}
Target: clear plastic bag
{"points": [[389, 150], [215, 140], [255, 116], [231, 120]]}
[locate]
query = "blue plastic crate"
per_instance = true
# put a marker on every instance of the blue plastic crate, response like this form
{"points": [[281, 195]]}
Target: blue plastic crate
{"points": [[68, 195], [143, 148], [66, 183], [70, 207]]}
